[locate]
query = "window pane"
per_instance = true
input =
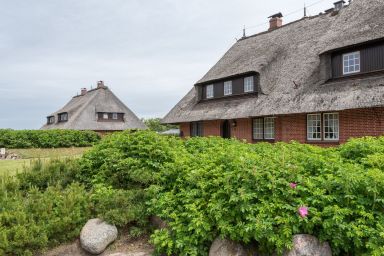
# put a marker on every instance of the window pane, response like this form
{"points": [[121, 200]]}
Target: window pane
{"points": [[209, 92], [314, 127], [331, 126], [351, 62], [248, 84], [196, 129], [258, 129], [228, 88], [269, 128]]}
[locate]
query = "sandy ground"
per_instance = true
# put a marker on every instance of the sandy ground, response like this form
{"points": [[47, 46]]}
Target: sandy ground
{"points": [[123, 246]]}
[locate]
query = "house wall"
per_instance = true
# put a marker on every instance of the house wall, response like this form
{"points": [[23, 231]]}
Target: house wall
{"points": [[352, 123]]}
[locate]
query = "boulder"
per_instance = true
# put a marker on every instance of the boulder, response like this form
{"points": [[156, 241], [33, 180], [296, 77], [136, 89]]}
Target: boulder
{"points": [[96, 235], [307, 245], [225, 247]]}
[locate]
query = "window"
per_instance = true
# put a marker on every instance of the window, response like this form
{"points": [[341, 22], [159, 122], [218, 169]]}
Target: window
{"points": [[269, 128], [264, 128], [209, 92], [114, 116], [248, 84], [314, 127], [351, 63], [228, 88], [63, 117], [105, 115], [330, 129], [331, 126], [50, 120], [196, 129]]}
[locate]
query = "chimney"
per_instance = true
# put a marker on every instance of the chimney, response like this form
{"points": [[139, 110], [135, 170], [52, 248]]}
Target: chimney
{"points": [[83, 91], [100, 84], [339, 5], [275, 21]]}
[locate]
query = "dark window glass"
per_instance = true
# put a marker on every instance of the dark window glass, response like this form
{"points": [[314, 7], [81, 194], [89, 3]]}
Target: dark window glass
{"points": [[63, 117], [196, 129]]}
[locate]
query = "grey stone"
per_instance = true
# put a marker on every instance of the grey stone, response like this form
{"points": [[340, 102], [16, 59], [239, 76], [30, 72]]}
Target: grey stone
{"points": [[96, 235], [307, 245], [225, 247]]}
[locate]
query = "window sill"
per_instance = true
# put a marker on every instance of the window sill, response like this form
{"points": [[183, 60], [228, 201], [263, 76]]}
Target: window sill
{"points": [[337, 142], [229, 96], [264, 140]]}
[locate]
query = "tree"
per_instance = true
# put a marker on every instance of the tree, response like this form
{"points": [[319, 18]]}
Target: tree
{"points": [[154, 124]]}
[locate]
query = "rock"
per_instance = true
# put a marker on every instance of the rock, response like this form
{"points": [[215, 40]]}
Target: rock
{"points": [[225, 247], [96, 235], [307, 245], [158, 223]]}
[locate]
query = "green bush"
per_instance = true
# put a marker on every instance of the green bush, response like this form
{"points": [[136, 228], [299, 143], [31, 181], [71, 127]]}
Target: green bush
{"points": [[47, 138], [41, 219], [243, 192]]}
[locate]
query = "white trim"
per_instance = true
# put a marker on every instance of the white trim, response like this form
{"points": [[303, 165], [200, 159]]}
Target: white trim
{"points": [[349, 54]]}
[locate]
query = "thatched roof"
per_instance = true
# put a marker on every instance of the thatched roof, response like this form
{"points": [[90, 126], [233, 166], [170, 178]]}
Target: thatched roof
{"points": [[292, 55], [82, 111]]}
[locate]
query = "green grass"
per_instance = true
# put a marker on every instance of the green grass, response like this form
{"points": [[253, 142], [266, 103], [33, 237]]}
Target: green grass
{"points": [[11, 167]]}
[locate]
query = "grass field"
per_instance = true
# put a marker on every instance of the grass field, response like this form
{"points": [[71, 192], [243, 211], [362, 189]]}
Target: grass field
{"points": [[11, 167]]}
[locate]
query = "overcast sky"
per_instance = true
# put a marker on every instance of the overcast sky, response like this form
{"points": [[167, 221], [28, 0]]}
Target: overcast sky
{"points": [[149, 52]]}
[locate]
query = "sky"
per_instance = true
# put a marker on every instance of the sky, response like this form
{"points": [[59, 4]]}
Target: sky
{"points": [[148, 52]]}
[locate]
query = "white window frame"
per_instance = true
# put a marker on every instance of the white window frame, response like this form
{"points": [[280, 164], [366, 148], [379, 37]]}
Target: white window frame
{"points": [[313, 127], [209, 93], [335, 126], [346, 65], [105, 115], [114, 116], [249, 84], [263, 128], [227, 88]]}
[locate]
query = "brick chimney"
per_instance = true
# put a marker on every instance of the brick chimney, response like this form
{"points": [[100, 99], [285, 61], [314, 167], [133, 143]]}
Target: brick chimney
{"points": [[100, 84], [275, 21], [83, 91]]}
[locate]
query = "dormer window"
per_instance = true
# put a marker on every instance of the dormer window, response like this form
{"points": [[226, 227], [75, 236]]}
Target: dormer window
{"points": [[63, 117], [209, 91], [114, 116], [227, 88], [50, 120], [248, 84], [105, 116], [351, 63]]}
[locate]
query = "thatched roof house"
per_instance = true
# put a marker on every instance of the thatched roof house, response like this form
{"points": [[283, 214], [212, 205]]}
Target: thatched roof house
{"points": [[332, 62], [97, 109]]}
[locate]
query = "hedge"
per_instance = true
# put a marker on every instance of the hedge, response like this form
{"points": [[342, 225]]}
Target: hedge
{"points": [[47, 138]]}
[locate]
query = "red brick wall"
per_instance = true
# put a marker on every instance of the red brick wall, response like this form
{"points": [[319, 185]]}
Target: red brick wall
{"points": [[352, 123]]}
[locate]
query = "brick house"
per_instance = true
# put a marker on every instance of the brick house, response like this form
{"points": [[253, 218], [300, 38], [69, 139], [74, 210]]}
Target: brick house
{"points": [[97, 109], [316, 80]]}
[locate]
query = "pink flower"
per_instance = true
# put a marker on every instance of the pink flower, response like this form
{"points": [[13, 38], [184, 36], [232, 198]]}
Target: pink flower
{"points": [[303, 211], [293, 185]]}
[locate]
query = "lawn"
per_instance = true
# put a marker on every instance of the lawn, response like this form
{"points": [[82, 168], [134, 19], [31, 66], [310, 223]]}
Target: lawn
{"points": [[10, 167]]}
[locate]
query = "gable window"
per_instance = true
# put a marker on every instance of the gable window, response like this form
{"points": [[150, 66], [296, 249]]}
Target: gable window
{"points": [[331, 126], [209, 91], [314, 127], [351, 63], [196, 129], [63, 117], [114, 116], [264, 128], [248, 84], [50, 120], [323, 127], [228, 88]]}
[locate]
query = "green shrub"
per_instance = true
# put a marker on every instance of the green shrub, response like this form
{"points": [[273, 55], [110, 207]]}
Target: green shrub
{"points": [[243, 192], [47, 138], [41, 219]]}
